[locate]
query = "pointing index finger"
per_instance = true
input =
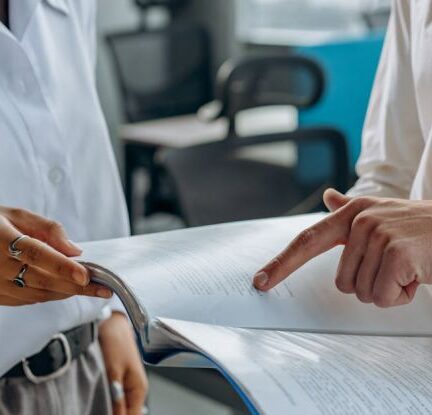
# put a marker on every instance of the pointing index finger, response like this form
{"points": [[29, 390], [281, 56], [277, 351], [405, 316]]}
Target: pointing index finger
{"points": [[313, 241]]}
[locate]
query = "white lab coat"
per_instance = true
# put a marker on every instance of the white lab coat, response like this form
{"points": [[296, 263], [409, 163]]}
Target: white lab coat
{"points": [[396, 158], [55, 154]]}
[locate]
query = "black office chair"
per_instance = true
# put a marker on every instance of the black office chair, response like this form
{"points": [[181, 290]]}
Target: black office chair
{"points": [[163, 72], [251, 177]]}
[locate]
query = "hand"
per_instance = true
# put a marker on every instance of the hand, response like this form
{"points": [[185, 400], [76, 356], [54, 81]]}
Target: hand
{"points": [[123, 364], [387, 254], [51, 275]]}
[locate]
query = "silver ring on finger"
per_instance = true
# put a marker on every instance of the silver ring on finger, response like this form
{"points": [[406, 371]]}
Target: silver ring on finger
{"points": [[15, 252], [19, 279], [117, 391]]}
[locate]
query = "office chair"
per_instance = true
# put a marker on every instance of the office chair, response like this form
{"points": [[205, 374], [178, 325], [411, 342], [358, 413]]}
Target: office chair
{"points": [[163, 72], [254, 177]]}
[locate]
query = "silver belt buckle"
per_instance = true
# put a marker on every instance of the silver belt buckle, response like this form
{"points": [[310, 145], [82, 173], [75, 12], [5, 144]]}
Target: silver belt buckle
{"points": [[59, 372]]}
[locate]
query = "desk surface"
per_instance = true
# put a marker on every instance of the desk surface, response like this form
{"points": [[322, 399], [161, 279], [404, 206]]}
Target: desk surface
{"points": [[297, 37], [189, 130], [177, 132]]}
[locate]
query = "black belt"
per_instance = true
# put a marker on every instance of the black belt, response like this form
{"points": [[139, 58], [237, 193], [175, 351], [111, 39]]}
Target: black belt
{"points": [[55, 358]]}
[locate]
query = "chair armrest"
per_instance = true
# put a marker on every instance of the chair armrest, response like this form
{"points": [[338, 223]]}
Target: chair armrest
{"points": [[211, 111], [335, 139]]}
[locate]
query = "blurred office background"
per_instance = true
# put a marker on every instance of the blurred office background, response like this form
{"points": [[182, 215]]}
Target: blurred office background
{"points": [[224, 110]]}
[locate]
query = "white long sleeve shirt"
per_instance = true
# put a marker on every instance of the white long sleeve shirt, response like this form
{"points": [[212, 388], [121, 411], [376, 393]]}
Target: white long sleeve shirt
{"points": [[55, 153], [396, 157]]}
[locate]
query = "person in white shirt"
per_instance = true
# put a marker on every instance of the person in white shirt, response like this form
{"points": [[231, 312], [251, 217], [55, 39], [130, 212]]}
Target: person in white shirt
{"points": [[385, 221], [56, 162]]}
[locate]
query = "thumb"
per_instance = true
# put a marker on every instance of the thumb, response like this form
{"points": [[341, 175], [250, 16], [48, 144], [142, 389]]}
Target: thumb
{"points": [[334, 200]]}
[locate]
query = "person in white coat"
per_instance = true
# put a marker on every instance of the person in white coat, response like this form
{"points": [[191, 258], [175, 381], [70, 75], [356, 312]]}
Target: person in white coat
{"points": [[385, 221], [58, 180]]}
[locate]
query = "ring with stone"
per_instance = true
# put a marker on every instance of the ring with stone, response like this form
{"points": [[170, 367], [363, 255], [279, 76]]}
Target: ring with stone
{"points": [[19, 279]]}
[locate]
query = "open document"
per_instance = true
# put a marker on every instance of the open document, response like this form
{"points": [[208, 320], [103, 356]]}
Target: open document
{"points": [[308, 373], [204, 275]]}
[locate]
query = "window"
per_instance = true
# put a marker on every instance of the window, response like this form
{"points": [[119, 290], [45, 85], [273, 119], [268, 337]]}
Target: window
{"points": [[305, 21]]}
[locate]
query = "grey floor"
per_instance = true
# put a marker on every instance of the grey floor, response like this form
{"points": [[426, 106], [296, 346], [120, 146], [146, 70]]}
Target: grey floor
{"points": [[166, 398]]}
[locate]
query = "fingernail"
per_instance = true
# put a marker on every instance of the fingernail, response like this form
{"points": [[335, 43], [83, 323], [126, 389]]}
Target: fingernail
{"points": [[261, 279], [104, 293], [80, 277], [74, 245]]}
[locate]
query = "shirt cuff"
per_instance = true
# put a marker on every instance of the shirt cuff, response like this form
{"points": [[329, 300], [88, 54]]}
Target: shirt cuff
{"points": [[117, 305], [114, 305]]}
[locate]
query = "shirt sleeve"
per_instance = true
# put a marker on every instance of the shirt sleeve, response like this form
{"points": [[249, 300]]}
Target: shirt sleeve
{"points": [[392, 139]]}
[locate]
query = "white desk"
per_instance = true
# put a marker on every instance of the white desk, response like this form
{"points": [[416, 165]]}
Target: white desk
{"points": [[175, 132]]}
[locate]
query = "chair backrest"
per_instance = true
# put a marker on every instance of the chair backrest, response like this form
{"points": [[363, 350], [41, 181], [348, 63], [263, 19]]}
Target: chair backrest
{"points": [[256, 177], [164, 72], [267, 80]]}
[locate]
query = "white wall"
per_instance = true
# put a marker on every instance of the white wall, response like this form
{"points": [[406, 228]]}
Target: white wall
{"points": [[218, 16]]}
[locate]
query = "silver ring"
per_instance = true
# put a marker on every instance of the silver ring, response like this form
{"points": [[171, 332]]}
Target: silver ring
{"points": [[19, 279], [14, 252], [117, 391]]}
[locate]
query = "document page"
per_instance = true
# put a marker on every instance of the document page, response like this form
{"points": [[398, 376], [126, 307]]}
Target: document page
{"points": [[307, 373], [205, 275]]}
